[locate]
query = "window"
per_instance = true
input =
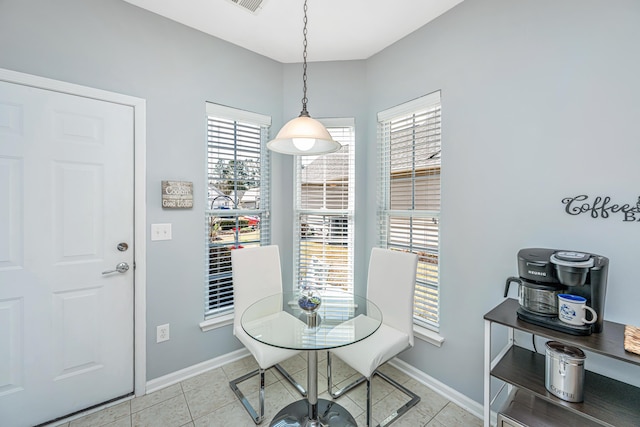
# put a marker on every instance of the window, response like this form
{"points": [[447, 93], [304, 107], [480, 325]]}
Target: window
{"points": [[324, 206], [237, 213], [409, 194]]}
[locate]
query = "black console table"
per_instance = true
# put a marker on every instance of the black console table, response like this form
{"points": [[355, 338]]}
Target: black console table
{"points": [[606, 402]]}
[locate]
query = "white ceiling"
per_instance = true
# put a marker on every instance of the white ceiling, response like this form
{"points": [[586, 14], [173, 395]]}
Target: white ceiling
{"points": [[337, 29]]}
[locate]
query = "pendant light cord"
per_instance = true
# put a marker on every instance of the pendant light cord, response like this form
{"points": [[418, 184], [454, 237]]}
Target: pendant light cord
{"points": [[303, 136], [304, 112]]}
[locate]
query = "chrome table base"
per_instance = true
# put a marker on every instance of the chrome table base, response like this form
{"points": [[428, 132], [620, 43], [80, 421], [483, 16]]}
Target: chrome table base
{"points": [[329, 414], [313, 412]]}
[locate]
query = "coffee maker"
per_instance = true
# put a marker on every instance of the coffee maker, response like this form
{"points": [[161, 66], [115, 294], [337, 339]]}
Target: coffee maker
{"points": [[545, 273]]}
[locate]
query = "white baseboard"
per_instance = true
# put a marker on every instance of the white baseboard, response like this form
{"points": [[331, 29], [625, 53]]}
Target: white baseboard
{"points": [[442, 389], [181, 375]]}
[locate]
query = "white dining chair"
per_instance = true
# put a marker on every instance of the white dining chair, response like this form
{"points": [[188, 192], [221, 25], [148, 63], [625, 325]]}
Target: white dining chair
{"points": [[390, 286], [256, 275]]}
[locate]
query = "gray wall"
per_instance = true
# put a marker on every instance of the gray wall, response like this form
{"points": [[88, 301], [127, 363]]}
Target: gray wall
{"points": [[539, 103], [111, 45]]}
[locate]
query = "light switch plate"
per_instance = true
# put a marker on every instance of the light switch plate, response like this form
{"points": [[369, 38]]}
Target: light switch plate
{"points": [[160, 231]]}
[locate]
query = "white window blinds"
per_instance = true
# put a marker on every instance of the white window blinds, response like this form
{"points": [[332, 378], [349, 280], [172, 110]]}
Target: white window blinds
{"points": [[237, 213], [324, 206], [409, 194]]}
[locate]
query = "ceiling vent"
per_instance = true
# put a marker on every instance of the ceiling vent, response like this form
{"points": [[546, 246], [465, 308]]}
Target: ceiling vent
{"points": [[252, 6]]}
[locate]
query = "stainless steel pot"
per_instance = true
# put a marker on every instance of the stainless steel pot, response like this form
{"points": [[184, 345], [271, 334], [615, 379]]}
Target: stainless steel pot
{"points": [[537, 298], [564, 371]]}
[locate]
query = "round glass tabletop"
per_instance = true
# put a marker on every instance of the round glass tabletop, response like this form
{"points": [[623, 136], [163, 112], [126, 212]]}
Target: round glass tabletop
{"points": [[340, 319]]}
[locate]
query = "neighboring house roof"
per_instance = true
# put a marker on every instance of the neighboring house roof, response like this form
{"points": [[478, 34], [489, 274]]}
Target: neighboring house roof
{"points": [[329, 167]]}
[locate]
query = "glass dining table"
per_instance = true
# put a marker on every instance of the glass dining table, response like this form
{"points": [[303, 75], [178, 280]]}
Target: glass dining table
{"points": [[341, 319]]}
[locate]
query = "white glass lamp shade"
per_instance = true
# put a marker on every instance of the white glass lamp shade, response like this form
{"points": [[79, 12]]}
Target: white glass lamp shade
{"points": [[303, 136]]}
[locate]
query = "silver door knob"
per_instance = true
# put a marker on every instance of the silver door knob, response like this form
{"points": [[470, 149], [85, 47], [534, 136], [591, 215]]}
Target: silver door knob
{"points": [[122, 267]]}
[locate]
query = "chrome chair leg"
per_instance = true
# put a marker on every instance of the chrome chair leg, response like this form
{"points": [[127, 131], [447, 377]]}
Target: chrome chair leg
{"points": [[414, 398], [369, 402], [404, 408], [258, 418], [292, 381], [343, 390]]}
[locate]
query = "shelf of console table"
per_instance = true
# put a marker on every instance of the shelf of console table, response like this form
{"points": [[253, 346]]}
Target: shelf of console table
{"points": [[606, 401]]}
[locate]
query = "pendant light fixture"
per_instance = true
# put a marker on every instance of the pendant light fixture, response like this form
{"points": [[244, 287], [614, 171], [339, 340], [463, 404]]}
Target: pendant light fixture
{"points": [[304, 136]]}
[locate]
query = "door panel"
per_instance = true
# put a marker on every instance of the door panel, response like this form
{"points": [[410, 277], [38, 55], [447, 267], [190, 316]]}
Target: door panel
{"points": [[11, 314], [66, 329]]}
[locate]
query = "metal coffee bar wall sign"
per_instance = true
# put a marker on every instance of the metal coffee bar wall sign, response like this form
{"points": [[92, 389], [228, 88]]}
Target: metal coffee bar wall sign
{"points": [[177, 194], [602, 207]]}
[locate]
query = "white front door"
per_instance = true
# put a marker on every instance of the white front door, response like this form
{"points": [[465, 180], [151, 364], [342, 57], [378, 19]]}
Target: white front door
{"points": [[66, 216]]}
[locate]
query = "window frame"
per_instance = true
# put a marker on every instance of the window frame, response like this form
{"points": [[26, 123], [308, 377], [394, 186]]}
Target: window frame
{"points": [[232, 132], [427, 281], [335, 225]]}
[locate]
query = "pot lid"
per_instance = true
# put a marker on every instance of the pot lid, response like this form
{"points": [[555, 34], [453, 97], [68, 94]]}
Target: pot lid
{"points": [[572, 259], [567, 350]]}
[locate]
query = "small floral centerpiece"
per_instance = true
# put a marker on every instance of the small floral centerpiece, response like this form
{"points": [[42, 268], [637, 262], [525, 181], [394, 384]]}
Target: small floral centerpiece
{"points": [[309, 303], [309, 300]]}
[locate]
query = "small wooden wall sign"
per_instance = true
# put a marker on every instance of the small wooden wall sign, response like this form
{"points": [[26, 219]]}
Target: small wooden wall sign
{"points": [[177, 194]]}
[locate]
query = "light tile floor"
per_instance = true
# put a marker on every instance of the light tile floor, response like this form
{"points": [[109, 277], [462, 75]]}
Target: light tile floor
{"points": [[207, 401]]}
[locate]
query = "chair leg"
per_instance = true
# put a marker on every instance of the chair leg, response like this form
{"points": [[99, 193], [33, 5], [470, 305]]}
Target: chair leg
{"points": [[414, 398], [398, 412], [292, 381], [369, 402], [343, 390], [252, 412], [257, 419]]}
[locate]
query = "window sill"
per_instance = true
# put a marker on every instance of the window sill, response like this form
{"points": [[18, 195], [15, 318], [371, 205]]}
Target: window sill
{"points": [[216, 322], [428, 335]]}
